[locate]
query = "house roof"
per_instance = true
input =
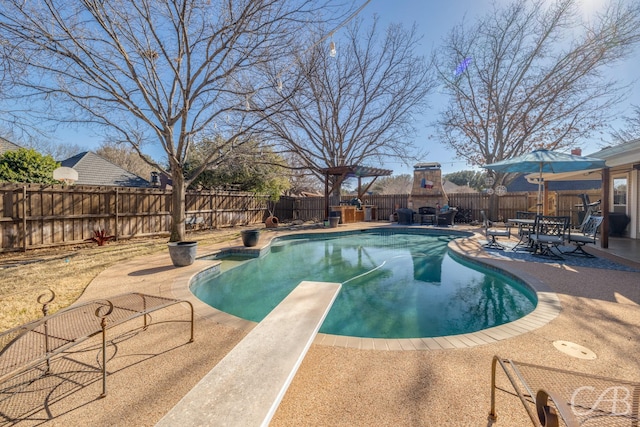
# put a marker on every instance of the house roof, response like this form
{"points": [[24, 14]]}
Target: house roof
{"points": [[619, 158], [6, 145], [95, 170], [625, 153]]}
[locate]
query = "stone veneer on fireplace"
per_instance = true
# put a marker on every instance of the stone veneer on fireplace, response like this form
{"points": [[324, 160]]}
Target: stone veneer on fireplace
{"points": [[427, 187]]}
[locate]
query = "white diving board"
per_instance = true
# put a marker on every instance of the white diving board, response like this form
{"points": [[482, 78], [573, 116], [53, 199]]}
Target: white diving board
{"points": [[247, 385]]}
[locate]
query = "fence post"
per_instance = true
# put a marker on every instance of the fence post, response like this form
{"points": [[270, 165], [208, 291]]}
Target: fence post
{"points": [[117, 232], [24, 218], [215, 213], [212, 210]]}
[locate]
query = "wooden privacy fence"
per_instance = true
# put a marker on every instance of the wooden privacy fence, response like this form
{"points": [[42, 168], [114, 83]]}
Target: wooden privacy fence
{"points": [[35, 216], [312, 208], [565, 203], [562, 202]]}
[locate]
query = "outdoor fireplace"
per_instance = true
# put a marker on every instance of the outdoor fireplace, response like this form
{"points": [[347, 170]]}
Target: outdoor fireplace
{"points": [[427, 187]]}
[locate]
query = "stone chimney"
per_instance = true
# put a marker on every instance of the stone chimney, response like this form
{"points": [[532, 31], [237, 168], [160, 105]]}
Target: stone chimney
{"points": [[427, 186], [576, 151]]}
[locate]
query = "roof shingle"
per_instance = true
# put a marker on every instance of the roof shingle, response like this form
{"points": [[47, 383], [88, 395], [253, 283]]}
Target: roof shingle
{"points": [[6, 145], [95, 170]]}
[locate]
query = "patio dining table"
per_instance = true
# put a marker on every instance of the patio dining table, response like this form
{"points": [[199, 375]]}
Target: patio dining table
{"points": [[524, 242]]}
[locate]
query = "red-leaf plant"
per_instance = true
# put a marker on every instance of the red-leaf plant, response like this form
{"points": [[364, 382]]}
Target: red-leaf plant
{"points": [[101, 237]]}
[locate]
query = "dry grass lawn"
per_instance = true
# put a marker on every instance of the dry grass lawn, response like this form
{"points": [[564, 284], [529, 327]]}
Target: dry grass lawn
{"points": [[68, 270]]}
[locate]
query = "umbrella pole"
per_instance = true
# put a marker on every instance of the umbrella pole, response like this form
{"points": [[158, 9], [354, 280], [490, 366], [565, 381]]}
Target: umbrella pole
{"points": [[539, 203]]}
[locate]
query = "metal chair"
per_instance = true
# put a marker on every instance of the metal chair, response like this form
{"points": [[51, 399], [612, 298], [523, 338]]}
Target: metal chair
{"points": [[492, 233], [549, 232], [557, 397], [586, 235], [588, 208]]}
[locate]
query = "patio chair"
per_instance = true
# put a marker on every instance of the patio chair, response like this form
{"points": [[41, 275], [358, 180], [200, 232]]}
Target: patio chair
{"points": [[445, 219], [550, 395], [586, 235], [492, 233], [548, 233]]}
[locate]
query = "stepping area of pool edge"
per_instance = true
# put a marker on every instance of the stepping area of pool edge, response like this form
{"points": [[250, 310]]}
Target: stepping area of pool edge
{"points": [[247, 385]]}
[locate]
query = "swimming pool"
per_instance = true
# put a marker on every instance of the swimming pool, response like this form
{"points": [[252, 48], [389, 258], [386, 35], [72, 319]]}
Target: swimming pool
{"points": [[397, 283]]}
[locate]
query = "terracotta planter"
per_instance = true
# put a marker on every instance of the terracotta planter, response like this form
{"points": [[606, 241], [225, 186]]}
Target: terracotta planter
{"points": [[271, 222], [182, 253], [250, 237]]}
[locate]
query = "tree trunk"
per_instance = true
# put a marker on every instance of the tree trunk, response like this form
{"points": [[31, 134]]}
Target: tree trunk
{"points": [[337, 189], [494, 207], [177, 207]]}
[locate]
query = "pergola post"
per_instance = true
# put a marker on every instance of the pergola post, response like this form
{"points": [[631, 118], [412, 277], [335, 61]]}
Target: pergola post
{"points": [[326, 194], [606, 192]]}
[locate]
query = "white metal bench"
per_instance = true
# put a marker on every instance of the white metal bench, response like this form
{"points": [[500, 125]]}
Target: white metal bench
{"points": [[37, 342]]}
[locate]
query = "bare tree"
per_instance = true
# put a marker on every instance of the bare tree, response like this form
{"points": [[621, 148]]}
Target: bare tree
{"points": [[531, 75], [359, 106], [301, 179], [127, 158], [631, 129], [168, 72], [400, 184], [12, 122], [44, 145]]}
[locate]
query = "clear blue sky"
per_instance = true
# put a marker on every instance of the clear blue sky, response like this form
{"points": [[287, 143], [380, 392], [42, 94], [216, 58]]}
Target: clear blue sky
{"points": [[434, 20]]}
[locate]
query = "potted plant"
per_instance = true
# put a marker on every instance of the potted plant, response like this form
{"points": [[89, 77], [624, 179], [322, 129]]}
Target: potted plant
{"points": [[250, 237], [182, 253]]}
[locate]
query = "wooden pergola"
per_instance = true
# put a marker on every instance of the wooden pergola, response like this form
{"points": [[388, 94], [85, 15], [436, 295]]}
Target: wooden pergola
{"points": [[341, 173]]}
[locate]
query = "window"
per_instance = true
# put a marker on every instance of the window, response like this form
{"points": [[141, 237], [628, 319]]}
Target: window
{"points": [[620, 194]]}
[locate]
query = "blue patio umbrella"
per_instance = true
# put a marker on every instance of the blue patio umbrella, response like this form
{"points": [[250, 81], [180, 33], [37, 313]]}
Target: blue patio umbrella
{"points": [[545, 161]]}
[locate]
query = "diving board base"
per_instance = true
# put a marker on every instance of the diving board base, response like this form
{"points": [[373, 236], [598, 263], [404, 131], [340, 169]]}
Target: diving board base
{"points": [[247, 385]]}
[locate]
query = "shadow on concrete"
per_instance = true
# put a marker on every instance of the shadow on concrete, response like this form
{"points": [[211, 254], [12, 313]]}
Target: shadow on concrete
{"points": [[150, 271]]}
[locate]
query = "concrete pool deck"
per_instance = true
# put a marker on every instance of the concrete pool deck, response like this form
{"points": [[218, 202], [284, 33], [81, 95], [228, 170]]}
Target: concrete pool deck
{"points": [[338, 384]]}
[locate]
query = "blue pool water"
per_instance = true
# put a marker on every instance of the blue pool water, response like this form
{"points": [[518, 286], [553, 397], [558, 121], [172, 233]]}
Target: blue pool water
{"points": [[396, 284]]}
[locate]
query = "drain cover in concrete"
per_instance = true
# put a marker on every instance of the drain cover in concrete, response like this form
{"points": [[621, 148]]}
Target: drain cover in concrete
{"points": [[575, 350]]}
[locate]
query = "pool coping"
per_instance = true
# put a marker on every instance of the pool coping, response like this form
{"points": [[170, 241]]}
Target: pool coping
{"points": [[466, 247]]}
